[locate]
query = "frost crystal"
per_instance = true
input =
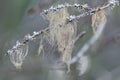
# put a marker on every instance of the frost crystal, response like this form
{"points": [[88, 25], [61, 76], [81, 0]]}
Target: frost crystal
{"points": [[17, 43], [27, 37], [51, 8], [114, 3], [85, 6], [71, 18], [77, 5]]}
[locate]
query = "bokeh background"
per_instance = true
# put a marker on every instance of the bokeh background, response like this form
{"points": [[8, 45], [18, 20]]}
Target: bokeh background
{"points": [[20, 17]]}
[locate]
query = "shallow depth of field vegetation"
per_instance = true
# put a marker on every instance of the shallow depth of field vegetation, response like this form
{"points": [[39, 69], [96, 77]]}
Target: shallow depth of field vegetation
{"points": [[59, 40]]}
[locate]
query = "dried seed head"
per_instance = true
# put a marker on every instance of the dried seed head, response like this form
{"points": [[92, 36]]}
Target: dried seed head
{"points": [[18, 55], [61, 32], [83, 65], [56, 19], [98, 18]]}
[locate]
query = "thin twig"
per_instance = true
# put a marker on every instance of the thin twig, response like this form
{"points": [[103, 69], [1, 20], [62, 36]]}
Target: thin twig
{"points": [[79, 36], [66, 5], [27, 39], [90, 11]]}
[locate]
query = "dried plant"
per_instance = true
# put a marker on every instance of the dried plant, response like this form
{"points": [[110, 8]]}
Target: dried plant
{"points": [[98, 18], [62, 32], [18, 55], [41, 46]]}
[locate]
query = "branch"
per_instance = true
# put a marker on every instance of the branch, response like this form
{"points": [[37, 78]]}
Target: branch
{"points": [[90, 11], [26, 40]]}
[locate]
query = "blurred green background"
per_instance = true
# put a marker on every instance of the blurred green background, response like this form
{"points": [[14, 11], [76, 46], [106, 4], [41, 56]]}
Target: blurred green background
{"points": [[18, 18]]}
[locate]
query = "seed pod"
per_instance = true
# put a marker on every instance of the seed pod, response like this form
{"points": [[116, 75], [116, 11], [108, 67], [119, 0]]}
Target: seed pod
{"points": [[98, 18]]}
